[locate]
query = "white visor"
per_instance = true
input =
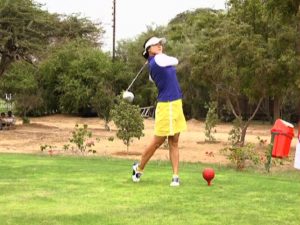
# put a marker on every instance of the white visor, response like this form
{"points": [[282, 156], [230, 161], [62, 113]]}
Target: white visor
{"points": [[154, 41]]}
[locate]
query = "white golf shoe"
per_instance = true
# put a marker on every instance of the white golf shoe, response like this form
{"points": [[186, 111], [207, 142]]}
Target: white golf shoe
{"points": [[136, 175], [175, 181]]}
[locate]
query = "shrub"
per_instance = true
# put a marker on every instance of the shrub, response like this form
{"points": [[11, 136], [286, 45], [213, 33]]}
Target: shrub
{"points": [[240, 154], [211, 121], [235, 133], [102, 102], [80, 136], [128, 120]]}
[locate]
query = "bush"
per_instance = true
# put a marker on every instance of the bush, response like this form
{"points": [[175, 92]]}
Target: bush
{"points": [[128, 120], [240, 154], [211, 121], [235, 133], [25, 120], [80, 136]]}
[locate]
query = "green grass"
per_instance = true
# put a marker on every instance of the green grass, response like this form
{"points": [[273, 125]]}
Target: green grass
{"points": [[46, 190]]}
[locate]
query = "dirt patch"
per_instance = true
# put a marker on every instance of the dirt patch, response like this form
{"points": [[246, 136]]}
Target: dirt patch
{"points": [[56, 130]]}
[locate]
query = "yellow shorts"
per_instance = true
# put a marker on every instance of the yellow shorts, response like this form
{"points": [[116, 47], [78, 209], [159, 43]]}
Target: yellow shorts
{"points": [[169, 118]]}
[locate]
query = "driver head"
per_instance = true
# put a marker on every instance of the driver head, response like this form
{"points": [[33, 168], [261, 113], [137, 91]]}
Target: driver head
{"points": [[128, 96]]}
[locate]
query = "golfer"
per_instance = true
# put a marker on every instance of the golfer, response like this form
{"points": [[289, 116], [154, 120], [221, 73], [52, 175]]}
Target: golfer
{"points": [[169, 117]]}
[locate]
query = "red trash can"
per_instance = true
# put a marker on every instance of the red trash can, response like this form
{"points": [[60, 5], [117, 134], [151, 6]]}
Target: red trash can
{"points": [[282, 135]]}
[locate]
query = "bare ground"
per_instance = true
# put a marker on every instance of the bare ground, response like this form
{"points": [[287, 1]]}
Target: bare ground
{"points": [[56, 130]]}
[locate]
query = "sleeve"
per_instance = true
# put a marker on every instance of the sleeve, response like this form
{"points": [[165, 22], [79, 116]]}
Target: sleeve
{"points": [[163, 60]]}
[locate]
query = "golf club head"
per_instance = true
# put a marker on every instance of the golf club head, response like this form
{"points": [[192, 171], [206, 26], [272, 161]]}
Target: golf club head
{"points": [[128, 96]]}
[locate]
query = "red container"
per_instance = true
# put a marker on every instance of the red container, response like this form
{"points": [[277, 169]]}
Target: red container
{"points": [[283, 133]]}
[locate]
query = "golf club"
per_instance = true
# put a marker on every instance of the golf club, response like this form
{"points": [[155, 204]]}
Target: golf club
{"points": [[127, 95]]}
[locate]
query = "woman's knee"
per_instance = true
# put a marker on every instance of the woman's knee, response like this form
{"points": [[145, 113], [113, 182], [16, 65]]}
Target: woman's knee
{"points": [[158, 141], [173, 140]]}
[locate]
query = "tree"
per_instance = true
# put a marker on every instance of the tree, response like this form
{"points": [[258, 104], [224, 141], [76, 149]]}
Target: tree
{"points": [[71, 76], [74, 26], [231, 60], [129, 122], [289, 12], [26, 31], [21, 81], [276, 21], [103, 102]]}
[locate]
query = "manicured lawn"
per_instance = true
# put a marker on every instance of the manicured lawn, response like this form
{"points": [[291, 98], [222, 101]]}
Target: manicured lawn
{"points": [[72, 190]]}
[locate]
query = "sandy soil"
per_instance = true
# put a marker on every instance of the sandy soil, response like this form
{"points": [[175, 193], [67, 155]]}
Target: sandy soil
{"points": [[56, 130]]}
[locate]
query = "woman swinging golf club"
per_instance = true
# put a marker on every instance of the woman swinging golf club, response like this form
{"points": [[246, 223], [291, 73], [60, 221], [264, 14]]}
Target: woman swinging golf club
{"points": [[169, 117]]}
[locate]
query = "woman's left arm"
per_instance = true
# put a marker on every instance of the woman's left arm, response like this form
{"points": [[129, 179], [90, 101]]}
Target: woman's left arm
{"points": [[164, 60]]}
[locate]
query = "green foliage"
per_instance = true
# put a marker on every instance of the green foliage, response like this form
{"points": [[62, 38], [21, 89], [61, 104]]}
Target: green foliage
{"points": [[21, 80], [240, 154], [72, 75], [268, 155], [241, 55], [103, 102], [26, 104], [80, 136], [269, 160], [276, 22], [235, 133], [25, 120], [26, 31], [22, 30], [129, 122], [75, 26], [50, 149], [111, 139], [285, 9], [211, 121]]}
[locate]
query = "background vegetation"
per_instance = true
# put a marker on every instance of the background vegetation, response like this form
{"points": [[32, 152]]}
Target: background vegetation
{"points": [[245, 58]]}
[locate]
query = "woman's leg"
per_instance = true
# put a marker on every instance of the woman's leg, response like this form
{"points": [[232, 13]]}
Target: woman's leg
{"points": [[156, 142], [174, 152]]}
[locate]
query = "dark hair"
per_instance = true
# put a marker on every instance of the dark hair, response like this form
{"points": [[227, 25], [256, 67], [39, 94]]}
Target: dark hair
{"points": [[146, 55]]}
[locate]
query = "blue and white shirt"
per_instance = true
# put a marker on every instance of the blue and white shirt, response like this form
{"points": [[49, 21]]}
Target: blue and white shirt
{"points": [[163, 74]]}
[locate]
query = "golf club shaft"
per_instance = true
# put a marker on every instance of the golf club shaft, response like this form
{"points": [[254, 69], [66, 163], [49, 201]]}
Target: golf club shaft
{"points": [[137, 75]]}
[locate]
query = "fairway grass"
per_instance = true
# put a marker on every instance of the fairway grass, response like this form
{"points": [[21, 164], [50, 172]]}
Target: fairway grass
{"points": [[37, 189]]}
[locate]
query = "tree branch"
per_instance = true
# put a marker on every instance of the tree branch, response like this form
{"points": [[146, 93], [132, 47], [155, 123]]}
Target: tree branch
{"points": [[232, 108], [256, 109]]}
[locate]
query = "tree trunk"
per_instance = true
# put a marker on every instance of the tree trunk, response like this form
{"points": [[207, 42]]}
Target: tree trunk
{"points": [[243, 134], [276, 109], [246, 125], [4, 63], [106, 125], [267, 110]]}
